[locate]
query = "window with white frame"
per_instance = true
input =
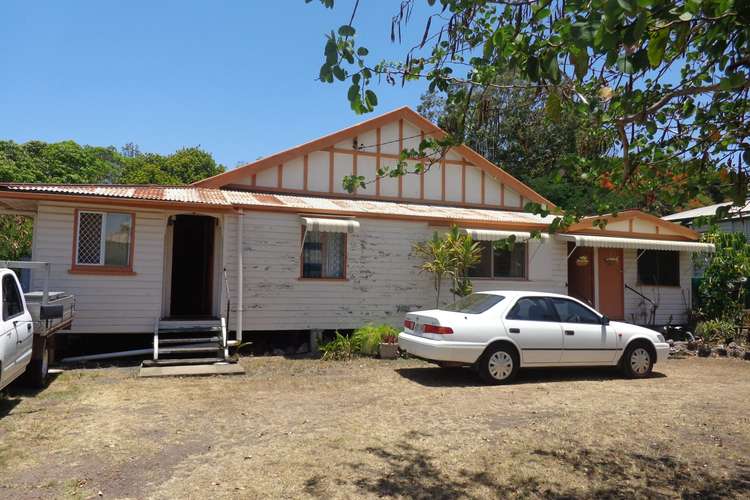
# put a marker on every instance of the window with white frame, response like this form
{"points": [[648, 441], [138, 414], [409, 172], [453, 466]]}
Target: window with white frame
{"points": [[499, 262], [324, 255], [104, 239]]}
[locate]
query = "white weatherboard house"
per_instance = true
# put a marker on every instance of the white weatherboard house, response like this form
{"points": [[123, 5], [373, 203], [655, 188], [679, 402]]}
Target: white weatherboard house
{"points": [[278, 245]]}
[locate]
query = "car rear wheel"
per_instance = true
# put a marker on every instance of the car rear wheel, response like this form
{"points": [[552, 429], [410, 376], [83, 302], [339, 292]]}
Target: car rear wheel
{"points": [[498, 365], [637, 361]]}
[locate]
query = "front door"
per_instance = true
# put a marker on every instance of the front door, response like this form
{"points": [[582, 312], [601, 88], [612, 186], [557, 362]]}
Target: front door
{"points": [[192, 266], [581, 273], [611, 283]]}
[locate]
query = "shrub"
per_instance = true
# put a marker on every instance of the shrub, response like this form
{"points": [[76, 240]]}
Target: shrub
{"points": [[340, 348], [366, 339], [713, 331]]}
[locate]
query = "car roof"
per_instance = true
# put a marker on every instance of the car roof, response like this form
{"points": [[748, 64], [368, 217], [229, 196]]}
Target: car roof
{"points": [[516, 293]]}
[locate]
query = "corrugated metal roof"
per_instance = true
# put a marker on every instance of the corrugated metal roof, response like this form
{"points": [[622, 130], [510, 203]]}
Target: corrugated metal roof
{"points": [[709, 210], [227, 198]]}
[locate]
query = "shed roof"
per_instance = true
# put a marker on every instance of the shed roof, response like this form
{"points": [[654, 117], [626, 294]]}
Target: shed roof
{"points": [[709, 210]]}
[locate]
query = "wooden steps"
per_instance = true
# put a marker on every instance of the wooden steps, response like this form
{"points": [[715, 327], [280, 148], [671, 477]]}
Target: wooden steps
{"points": [[189, 342]]}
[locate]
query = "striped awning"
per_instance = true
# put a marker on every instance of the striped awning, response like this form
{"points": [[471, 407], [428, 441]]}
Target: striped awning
{"points": [[497, 235], [330, 225], [586, 240]]}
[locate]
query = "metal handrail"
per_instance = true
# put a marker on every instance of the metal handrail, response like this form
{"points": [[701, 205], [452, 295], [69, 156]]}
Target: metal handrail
{"points": [[229, 300]]}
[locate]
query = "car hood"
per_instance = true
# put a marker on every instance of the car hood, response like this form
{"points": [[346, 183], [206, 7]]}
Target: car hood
{"points": [[621, 327]]}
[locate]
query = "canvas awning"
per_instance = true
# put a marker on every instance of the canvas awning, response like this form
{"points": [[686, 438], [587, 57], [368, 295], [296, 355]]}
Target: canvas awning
{"points": [[330, 225], [586, 240], [497, 235]]}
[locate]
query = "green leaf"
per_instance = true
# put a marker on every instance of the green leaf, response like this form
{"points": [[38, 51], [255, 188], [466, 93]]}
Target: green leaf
{"points": [[346, 30], [362, 51], [553, 107], [353, 94], [627, 5], [339, 73], [580, 60], [625, 65], [532, 68], [656, 45], [370, 98], [732, 81]]}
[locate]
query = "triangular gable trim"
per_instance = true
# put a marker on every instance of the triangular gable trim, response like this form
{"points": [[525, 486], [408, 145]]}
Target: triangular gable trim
{"points": [[587, 224], [330, 140]]}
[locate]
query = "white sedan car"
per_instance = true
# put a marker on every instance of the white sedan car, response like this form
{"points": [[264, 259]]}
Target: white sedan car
{"points": [[499, 332]]}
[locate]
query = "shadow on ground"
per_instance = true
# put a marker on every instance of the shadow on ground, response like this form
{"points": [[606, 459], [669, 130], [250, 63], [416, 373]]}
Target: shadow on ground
{"points": [[411, 472], [432, 376]]}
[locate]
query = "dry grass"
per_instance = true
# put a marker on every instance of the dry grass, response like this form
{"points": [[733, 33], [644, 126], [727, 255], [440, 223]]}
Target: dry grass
{"points": [[296, 428]]}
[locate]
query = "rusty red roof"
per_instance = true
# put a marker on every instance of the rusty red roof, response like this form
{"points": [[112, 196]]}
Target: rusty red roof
{"points": [[222, 198]]}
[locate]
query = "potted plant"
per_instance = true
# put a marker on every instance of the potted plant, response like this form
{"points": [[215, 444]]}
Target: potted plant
{"points": [[389, 346]]}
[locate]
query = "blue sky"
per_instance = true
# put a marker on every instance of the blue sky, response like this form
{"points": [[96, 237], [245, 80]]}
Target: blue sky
{"points": [[235, 77]]}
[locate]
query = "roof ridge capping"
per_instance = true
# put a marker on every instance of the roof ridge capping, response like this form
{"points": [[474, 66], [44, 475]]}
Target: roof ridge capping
{"points": [[405, 113]]}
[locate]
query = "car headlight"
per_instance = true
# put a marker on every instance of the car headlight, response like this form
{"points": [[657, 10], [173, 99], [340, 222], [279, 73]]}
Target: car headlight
{"points": [[660, 337]]}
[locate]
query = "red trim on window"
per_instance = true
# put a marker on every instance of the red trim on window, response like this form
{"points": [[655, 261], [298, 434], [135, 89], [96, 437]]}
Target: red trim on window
{"points": [[76, 268]]}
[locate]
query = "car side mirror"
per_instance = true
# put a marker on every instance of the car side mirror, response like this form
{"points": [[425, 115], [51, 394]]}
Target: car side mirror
{"points": [[605, 320]]}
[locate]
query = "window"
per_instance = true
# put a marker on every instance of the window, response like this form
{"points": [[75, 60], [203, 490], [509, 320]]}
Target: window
{"points": [[572, 312], [500, 263], [104, 239], [12, 303], [324, 255], [532, 309], [659, 267], [476, 303]]}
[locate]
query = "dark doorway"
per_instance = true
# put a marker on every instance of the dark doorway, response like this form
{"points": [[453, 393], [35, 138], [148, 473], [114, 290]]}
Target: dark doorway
{"points": [[192, 266], [581, 273]]}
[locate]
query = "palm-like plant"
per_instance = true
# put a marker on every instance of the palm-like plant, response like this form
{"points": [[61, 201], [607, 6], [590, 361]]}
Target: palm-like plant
{"points": [[464, 254], [451, 256], [437, 261]]}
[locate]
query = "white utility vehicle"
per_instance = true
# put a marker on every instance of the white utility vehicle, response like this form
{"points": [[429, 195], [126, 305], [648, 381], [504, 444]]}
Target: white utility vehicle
{"points": [[28, 324], [499, 332]]}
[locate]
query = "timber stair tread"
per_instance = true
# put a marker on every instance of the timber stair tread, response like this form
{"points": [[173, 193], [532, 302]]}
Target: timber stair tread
{"points": [[184, 361], [189, 329], [191, 348], [188, 340]]}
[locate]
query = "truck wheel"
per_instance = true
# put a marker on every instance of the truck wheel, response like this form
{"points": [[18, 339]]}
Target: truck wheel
{"points": [[36, 372]]}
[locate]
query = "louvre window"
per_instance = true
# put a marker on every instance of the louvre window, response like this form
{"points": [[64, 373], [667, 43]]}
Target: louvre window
{"points": [[104, 239], [324, 255]]}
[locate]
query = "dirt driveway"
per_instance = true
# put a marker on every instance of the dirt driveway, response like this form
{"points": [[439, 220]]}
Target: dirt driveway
{"points": [[296, 428]]}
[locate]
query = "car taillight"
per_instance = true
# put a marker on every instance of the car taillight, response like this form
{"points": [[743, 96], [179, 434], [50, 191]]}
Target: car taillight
{"points": [[409, 324], [442, 330]]}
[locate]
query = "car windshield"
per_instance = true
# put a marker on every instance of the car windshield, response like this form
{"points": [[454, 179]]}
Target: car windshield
{"points": [[476, 303]]}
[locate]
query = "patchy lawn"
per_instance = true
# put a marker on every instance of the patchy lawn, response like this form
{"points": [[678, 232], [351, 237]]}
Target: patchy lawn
{"points": [[296, 428]]}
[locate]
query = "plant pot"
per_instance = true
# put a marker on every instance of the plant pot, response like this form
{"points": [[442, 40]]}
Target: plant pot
{"points": [[388, 351]]}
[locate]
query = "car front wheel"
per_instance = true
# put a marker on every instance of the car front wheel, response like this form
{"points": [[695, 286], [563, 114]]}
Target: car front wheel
{"points": [[637, 361], [498, 365]]}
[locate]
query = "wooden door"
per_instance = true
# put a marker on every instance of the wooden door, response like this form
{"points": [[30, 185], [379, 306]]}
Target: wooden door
{"points": [[611, 283], [581, 273]]}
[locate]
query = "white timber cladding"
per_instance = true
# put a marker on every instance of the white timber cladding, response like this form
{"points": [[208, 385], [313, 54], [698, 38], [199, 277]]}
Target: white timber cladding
{"points": [[673, 301], [382, 271], [455, 180], [104, 303]]}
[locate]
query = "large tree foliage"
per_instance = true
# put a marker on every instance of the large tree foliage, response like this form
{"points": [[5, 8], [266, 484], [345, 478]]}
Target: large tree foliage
{"points": [[512, 127], [669, 79], [70, 163]]}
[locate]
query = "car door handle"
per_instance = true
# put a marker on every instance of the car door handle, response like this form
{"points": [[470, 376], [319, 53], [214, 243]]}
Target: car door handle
{"points": [[514, 330], [28, 327], [569, 332]]}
